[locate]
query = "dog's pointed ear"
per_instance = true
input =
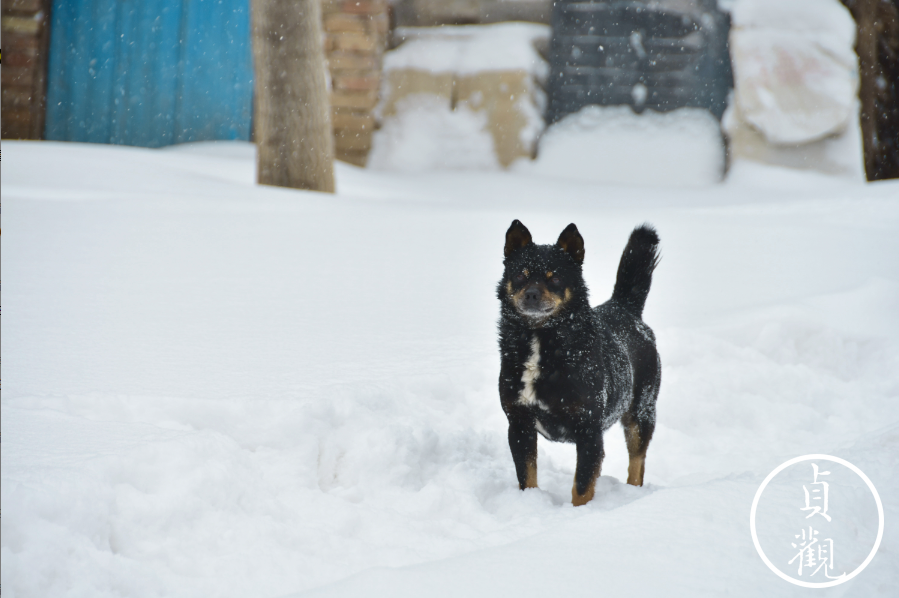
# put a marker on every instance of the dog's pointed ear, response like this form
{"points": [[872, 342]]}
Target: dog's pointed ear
{"points": [[517, 237], [571, 242]]}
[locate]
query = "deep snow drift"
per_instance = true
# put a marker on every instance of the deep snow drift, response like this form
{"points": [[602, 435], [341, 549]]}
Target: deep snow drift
{"points": [[217, 389], [612, 144]]}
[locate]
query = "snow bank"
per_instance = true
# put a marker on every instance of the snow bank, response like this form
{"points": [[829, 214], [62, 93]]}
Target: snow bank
{"points": [[425, 134], [218, 389], [793, 91], [612, 144]]}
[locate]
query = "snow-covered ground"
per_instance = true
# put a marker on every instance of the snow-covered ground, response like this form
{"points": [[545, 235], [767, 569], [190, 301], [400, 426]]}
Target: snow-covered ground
{"points": [[218, 389]]}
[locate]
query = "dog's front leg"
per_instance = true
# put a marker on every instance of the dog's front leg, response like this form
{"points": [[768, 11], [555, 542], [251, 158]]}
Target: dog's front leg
{"points": [[589, 462], [523, 443]]}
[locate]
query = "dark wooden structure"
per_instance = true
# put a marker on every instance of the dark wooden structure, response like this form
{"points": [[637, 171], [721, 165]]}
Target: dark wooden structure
{"points": [[877, 46], [25, 28], [646, 56]]}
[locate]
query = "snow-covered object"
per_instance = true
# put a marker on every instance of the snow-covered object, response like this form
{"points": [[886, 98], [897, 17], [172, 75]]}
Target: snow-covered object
{"points": [[425, 134], [490, 69], [470, 49], [795, 70], [612, 144]]}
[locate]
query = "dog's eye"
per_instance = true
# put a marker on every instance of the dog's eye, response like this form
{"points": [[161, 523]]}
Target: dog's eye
{"points": [[556, 280], [520, 277]]}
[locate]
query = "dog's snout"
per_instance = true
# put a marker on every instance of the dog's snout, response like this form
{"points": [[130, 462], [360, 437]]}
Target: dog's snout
{"points": [[532, 296]]}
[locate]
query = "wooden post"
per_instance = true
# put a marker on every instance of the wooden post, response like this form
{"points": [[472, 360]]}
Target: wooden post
{"points": [[294, 143], [877, 46]]}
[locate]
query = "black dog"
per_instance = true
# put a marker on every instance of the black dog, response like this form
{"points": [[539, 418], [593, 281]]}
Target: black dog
{"points": [[569, 371]]}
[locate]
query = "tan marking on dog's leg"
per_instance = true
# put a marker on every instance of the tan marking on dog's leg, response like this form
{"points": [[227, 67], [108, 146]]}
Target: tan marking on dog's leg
{"points": [[531, 480], [635, 469], [637, 463], [580, 500]]}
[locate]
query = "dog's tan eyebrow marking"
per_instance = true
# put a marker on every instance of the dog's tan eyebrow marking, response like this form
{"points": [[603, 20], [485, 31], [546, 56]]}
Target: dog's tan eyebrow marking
{"points": [[549, 274], [525, 272]]}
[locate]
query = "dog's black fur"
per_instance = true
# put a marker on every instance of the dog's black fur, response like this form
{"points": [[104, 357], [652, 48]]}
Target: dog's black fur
{"points": [[569, 371]]}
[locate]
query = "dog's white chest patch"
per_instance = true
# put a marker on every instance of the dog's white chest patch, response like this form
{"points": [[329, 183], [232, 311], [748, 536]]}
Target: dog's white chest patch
{"points": [[528, 394]]}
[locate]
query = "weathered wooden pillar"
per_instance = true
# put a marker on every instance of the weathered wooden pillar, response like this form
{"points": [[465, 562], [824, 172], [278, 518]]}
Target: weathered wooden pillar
{"points": [[877, 46], [294, 144]]}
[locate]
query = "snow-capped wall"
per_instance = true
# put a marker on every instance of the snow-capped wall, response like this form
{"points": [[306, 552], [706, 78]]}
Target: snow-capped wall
{"points": [[487, 74]]}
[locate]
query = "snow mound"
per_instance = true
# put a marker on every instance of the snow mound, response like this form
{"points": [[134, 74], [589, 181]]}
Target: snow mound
{"points": [[795, 70], [426, 134], [614, 145]]}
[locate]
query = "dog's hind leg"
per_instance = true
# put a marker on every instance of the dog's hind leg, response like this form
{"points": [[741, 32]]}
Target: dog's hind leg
{"points": [[637, 434], [639, 421]]}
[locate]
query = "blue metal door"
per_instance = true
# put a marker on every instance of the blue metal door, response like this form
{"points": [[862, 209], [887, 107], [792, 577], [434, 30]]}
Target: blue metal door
{"points": [[149, 72]]}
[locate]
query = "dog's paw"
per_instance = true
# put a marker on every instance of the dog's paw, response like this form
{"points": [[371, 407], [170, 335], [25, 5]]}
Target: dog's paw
{"points": [[580, 500]]}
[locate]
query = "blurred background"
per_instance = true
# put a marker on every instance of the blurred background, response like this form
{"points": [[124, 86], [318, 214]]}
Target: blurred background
{"points": [[665, 90]]}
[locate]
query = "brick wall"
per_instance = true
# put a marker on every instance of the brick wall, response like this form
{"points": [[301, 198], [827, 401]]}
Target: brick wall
{"points": [[24, 48], [355, 40]]}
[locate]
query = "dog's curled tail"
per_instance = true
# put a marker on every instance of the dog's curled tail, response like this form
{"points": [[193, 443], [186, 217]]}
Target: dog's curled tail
{"points": [[640, 258]]}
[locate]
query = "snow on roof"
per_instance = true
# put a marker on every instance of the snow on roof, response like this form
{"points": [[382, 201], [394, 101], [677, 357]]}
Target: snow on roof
{"points": [[470, 49]]}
